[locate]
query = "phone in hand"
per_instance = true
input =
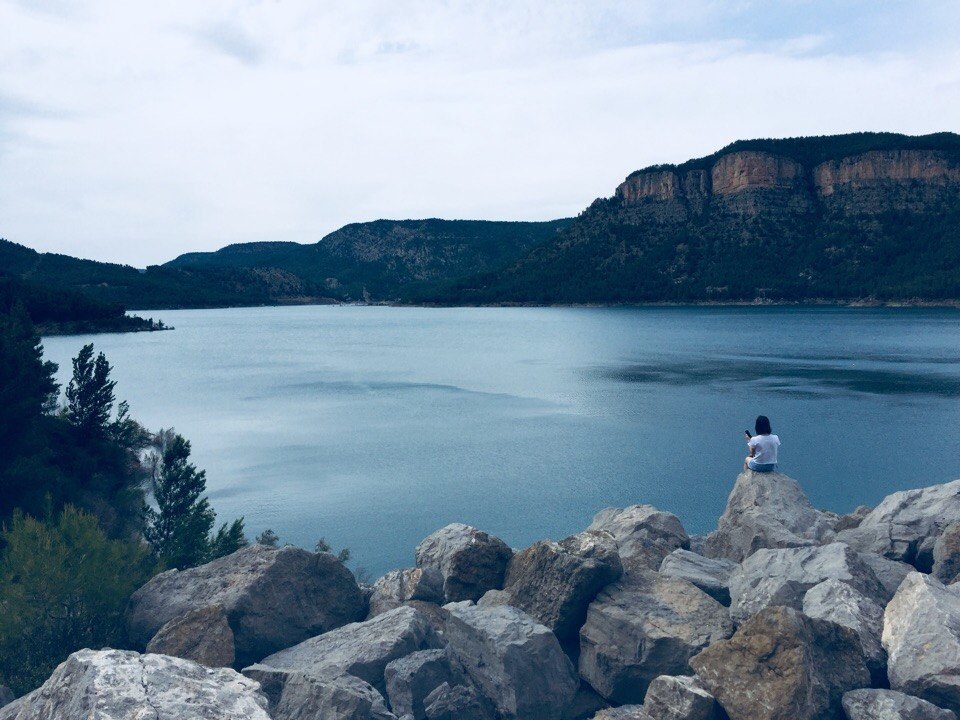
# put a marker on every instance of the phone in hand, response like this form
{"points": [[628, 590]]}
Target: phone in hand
{"points": [[747, 433]]}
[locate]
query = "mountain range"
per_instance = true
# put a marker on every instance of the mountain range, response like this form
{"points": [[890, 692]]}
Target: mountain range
{"points": [[842, 218]]}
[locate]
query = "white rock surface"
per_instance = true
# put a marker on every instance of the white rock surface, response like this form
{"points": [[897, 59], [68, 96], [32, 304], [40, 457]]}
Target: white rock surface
{"points": [[124, 685], [869, 704], [644, 535], [921, 634]]}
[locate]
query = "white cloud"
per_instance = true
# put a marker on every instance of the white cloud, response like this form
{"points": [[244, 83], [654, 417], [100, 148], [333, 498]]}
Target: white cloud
{"points": [[136, 131]]}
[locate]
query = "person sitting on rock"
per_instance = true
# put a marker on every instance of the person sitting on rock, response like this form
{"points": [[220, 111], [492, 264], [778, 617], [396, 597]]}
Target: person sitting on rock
{"points": [[763, 447]]}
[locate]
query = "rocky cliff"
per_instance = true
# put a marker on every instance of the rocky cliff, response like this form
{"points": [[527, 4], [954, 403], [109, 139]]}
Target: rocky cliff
{"points": [[784, 612]]}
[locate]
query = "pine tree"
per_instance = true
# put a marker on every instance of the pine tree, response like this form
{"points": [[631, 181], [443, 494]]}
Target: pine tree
{"points": [[229, 538], [27, 387], [179, 528], [90, 393]]}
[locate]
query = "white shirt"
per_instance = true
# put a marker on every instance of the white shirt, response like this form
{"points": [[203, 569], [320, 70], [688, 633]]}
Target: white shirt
{"points": [[766, 446]]}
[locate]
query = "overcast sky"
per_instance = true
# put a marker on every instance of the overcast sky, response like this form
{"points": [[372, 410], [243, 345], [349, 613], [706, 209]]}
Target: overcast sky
{"points": [[133, 131]]}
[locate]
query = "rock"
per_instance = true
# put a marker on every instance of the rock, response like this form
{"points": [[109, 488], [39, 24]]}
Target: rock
{"points": [[470, 561], [890, 705], [921, 634], [6, 696], [554, 584], [890, 573], [203, 636], [906, 525], [120, 684], [946, 554], [458, 702], [644, 535], [852, 520], [492, 598], [273, 598], [401, 586], [709, 574], [766, 510], [644, 626], [513, 661], [782, 665], [782, 577], [624, 712], [679, 697], [411, 679], [337, 696], [361, 649], [838, 602]]}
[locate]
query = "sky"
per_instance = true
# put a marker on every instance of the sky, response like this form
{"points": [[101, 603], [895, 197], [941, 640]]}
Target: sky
{"points": [[134, 131]]}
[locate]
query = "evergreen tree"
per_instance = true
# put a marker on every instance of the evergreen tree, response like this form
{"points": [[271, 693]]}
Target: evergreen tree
{"points": [[269, 538], [179, 528], [90, 393], [27, 387], [229, 538]]}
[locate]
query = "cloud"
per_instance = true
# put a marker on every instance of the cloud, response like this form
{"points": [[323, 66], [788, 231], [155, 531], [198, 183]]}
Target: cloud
{"points": [[134, 132]]}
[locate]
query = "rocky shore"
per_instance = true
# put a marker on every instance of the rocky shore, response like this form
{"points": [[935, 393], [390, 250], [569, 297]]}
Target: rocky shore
{"points": [[784, 612]]}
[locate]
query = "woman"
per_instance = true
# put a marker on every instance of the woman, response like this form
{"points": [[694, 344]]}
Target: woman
{"points": [[763, 447]]}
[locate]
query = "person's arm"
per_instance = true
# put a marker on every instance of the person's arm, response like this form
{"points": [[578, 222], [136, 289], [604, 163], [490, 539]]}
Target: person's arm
{"points": [[752, 446]]}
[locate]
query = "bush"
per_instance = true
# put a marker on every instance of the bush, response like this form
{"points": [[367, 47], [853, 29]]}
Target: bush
{"points": [[63, 586]]}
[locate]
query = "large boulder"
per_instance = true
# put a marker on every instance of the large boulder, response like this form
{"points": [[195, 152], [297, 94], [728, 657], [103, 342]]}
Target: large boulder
{"points": [[361, 649], [334, 695], [679, 698], [782, 577], [273, 598], [457, 702], [514, 661], [889, 572], [766, 510], [203, 636], [412, 678], [120, 685], [838, 602], [470, 561], [946, 555], [921, 634], [555, 582], [644, 535], [782, 665], [906, 525], [644, 626], [624, 712], [712, 575], [398, 587], [866, 704]]}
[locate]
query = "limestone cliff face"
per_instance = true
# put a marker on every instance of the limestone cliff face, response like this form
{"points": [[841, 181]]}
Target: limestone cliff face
{"points": [[752, 182]]}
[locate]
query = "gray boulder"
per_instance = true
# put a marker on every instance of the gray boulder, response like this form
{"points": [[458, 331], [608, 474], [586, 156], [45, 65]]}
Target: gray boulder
{"points": [[782, 665], [890, 705], [906, 525], [853, 519], [203, 636], [782, 577], [412, 678], [492, 598], [946, 555], [644, 626], [553, 583], [470, 561], [679, 697], [766, 510], [336, 696], [398, 587], [273, 598], [361, 649], [119, 685], [624, 712], [921, 634], [513, 661], [890, 573], [643, 534], [457, 702], [712, 575], [838, 602]]}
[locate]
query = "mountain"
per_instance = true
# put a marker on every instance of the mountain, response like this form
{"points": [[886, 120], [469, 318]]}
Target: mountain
{"points": [[865, 216], [379, 259]]}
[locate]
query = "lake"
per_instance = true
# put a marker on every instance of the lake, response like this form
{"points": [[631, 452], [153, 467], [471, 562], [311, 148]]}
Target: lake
{"points": [[374, 426]]}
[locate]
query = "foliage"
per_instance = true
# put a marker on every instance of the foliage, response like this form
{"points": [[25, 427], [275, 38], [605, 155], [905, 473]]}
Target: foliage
{"points": [[90, 393], [63, 586], [229, 538], [269, 538], [323, 546]]}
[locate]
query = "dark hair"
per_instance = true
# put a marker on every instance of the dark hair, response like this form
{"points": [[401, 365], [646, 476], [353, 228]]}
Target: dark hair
{"points": [[763, 425]]}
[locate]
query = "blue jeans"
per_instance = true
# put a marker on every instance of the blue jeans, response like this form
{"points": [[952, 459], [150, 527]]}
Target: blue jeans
{"points": [[761, 467]]}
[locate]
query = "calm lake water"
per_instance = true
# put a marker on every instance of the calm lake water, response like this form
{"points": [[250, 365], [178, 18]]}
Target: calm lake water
{"points": [[374, 426]]}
